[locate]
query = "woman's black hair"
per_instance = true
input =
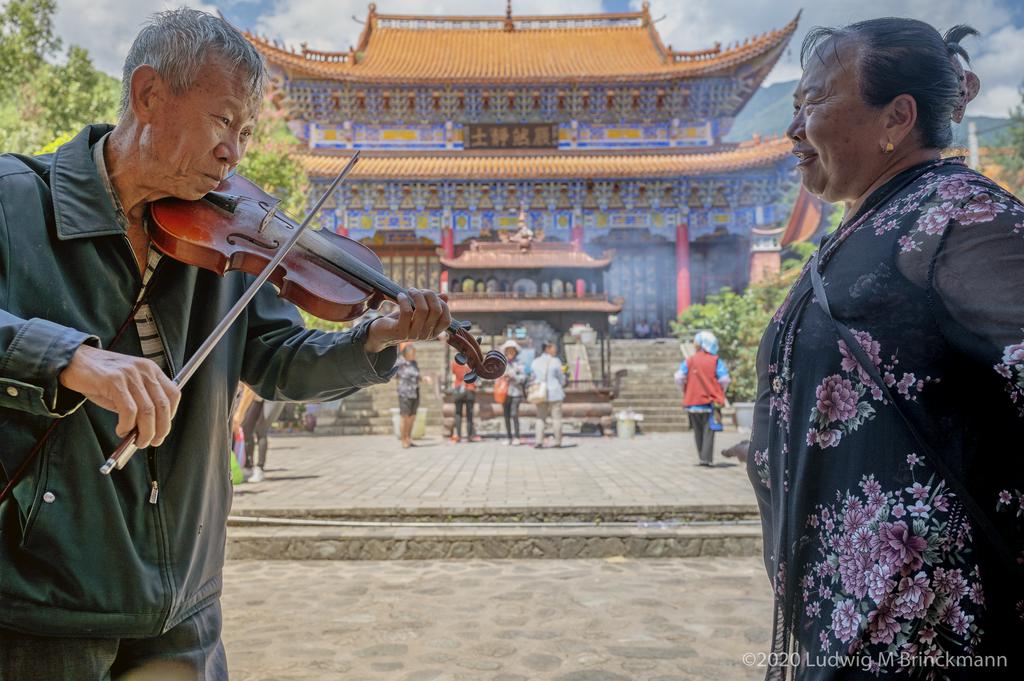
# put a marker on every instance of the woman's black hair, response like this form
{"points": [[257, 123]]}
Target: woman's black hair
{"points": [[904, 56]]}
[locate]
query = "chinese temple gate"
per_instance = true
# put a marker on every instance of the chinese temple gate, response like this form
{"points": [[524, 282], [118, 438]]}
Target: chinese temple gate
{"points": [[606, 137]]}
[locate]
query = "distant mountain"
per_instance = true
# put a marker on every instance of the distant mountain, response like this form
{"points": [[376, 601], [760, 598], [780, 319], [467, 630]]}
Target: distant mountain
{"points": [[770, 109]]}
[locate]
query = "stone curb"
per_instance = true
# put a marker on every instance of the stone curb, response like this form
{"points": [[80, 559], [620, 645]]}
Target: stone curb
{"points": [[410, 543], [513, 514]]}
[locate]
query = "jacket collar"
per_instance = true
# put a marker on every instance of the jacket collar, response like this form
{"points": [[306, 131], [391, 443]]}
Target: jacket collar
{"points": [[81, 203]]}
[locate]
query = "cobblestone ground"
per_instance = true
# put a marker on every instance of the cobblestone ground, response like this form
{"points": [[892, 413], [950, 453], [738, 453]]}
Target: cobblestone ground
{"points": [[317, 473], [566, 620]]}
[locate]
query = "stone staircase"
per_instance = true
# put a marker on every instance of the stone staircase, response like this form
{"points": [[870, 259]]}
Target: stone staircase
{"points": [[368, 412], [648, 386]]}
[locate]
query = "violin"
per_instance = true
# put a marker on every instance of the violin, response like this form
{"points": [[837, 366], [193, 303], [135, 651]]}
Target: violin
{"points": [[238, 227]]}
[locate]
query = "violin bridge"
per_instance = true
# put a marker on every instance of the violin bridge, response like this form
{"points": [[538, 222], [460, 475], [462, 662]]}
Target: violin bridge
{"points": [[271, 212]]}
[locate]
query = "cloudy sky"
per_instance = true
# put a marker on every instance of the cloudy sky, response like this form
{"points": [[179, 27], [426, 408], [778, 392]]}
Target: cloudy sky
{"points": [[106, 27]]}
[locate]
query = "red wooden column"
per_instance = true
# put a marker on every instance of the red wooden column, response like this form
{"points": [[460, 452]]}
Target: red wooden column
{"points": [[577, 244], [448, 248], [339, 226], [682, 266]]}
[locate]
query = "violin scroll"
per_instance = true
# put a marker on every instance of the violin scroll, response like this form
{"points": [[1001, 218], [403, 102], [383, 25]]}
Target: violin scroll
{"points": [[490, 366]]}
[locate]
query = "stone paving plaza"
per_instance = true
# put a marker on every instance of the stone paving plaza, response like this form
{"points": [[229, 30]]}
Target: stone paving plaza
{"points": [[321, 474], [520, 620], [608, 619]]}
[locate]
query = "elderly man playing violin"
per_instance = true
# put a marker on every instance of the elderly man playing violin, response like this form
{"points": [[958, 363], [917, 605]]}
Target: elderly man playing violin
{"points": [[107, 576]]}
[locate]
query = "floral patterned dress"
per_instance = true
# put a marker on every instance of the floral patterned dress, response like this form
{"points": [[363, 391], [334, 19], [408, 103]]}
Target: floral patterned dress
{"points": [[878, 569]]}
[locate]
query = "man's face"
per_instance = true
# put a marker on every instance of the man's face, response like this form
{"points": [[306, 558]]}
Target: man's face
{"points": [[195, 139]]}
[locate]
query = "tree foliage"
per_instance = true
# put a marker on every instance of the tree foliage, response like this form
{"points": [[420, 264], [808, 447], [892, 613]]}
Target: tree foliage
{"points": [[269, 161], [1010, 154], [41, 101], [738, 320]]}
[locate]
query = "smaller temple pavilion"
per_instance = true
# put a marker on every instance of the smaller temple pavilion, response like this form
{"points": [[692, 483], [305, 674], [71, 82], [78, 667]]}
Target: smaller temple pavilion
{"points": [[544, 288]]}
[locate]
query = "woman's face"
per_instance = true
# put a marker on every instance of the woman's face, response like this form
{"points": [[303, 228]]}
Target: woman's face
{"points": [[837, 138]]}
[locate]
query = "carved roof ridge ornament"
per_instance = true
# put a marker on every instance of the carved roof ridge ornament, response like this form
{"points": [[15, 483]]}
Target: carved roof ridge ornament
{"points": [[509, 25]]}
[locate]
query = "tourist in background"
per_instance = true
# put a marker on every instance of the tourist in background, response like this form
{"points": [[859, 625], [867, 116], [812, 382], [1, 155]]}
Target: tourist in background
{"points": [[642, 330], [465, 401], [515, 375], [547, 392], [255, 416], [703, 378], [408, 381]]}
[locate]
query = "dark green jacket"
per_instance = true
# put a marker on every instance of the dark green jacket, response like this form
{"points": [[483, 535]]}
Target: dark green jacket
{"points": [[83, 554]]}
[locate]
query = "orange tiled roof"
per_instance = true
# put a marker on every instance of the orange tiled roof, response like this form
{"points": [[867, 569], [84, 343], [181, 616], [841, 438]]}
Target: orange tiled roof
{"points": [[550, 166], [443, 50], [461, 306], [486, 256], [804, 219]]}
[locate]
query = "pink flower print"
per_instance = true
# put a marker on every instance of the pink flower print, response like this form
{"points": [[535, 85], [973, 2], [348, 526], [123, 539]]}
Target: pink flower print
{"points": [[852, 573], [824, 592], [981, 208], [845, 620], [926, 635], [876, 393], [826, 643], [941, 503], [1013, 355], [919, 510], [871, 348], [899, 546], [813, 609], [919, 491], [903, 387], [914, 596], [1005, 498], [1003, 371], [907, 244], [976, 594], [954, 189], [854, 519], [861, 539], [935, 219], [961, 623], [878, 582], [828, 438], [882, 625], [957, 584], [837, 400], [871, 486], [889, 379], [913, 460], [888, 226], [898, 511]]}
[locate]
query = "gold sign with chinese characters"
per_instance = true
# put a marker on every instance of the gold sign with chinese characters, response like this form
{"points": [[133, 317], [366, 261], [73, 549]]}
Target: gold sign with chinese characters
{"points": [[511, 136]]}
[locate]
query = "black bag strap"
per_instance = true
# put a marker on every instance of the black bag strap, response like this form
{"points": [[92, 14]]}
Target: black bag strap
{"points": [[977, 515]]}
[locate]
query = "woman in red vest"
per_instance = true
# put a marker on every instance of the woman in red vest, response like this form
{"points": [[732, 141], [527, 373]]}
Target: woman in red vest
{"points": [[703, 378]]}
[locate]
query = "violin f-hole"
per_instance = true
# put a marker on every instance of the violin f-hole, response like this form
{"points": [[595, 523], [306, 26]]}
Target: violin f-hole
{"points": [[269, 245]]}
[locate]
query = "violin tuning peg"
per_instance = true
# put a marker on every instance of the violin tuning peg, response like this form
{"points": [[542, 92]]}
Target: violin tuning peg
{"points": [[460, 359], [470, 377], [466, 325], [479, 340]]}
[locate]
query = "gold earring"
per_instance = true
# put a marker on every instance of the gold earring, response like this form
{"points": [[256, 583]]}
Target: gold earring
{"points": [[889, 147]]}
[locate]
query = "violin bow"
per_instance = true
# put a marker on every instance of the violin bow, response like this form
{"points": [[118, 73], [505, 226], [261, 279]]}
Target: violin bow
{"points": [[124, 452]]}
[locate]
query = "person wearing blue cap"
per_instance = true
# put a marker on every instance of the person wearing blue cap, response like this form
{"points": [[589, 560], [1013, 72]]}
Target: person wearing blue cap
{"points": [[703, 378]]}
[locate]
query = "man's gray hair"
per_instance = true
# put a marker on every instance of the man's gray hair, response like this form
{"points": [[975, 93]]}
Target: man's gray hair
{"points": [[177, 42]]}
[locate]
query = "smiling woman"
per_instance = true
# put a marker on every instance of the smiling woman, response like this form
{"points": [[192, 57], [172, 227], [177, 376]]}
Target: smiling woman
{"points": [[891, 372]]}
